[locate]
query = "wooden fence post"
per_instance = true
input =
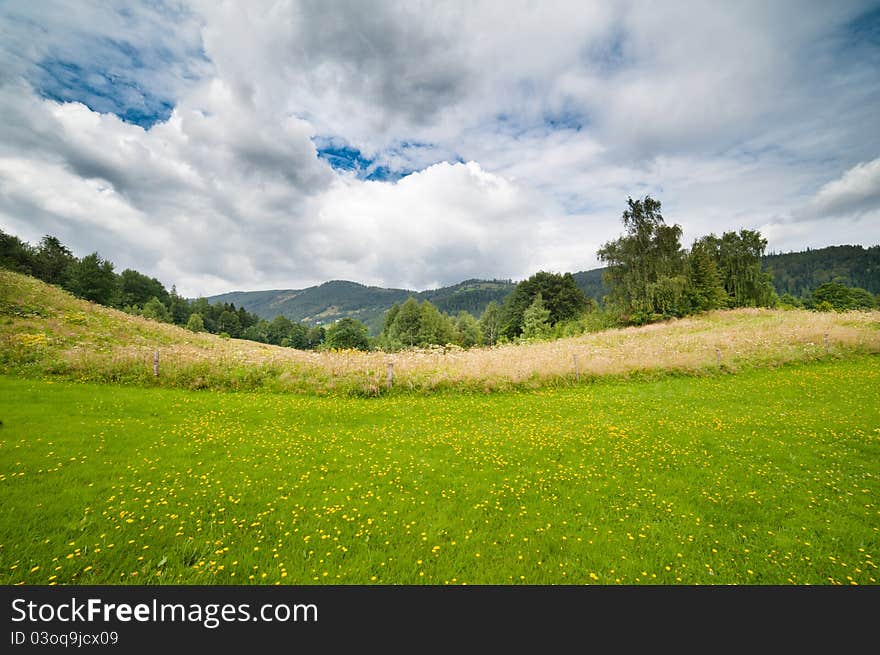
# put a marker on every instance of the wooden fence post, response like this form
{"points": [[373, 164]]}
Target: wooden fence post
{"points": [[577, 373], [156, 364], [827, 348], [390, 375]]}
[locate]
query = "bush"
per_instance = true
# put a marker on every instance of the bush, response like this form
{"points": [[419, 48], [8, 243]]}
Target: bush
{"points": [[346, 334], [195, 323]]}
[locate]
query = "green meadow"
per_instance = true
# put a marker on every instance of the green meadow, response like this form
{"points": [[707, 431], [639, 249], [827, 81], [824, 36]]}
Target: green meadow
{"points": [[767, 476]]}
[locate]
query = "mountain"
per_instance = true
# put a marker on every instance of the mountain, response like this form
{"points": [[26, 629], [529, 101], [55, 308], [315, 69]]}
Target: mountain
{"points": [[469, 296], [797, 273], [331, 301], [590, 282]]}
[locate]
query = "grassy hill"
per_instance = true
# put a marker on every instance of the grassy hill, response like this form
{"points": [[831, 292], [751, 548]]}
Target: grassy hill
{"points": [[46, 331]]}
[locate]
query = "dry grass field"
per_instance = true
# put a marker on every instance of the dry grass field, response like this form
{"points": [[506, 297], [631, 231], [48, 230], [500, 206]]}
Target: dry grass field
{"points": [[45, 331]]}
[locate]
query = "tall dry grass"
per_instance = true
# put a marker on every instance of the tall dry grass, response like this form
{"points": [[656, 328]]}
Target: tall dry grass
{"points": [[45, 331]]}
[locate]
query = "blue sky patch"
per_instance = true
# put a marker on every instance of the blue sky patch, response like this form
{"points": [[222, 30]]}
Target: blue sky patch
{"points": [[865, 29], [109, 81], [101, 92], [344, 157]]}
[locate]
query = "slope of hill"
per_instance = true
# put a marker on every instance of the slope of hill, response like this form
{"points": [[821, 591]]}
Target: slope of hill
{"points": [[469, 296], [45, 331], [331, 301], [798, 273], [322, 304], [590, 282]]}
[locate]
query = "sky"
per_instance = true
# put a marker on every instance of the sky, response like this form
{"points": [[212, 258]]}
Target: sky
{"points": [[224, 146]]}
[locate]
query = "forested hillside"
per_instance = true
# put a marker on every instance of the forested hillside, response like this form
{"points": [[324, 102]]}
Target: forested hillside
{"points": [[590, 282], [798, 273], [338, 299]]}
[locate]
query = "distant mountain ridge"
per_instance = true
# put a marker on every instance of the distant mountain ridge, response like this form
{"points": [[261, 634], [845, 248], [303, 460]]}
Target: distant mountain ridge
{"points": [[328, 302], [796, 273]]}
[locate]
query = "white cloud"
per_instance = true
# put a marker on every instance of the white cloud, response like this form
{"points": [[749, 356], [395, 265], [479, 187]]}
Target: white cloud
{"points": [[855, 192], [734, 115], [447, 222]]}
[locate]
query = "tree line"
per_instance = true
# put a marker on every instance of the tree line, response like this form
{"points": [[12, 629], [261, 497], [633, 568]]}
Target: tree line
{"points": [[652, 277], [94, 278]]}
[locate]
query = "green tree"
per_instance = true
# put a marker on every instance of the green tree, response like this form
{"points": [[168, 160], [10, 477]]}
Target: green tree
{"points": [[467, 330], [434, 328], [51, 260], [92, 278], [178, 307], [787, 300], [315, 337], [347, 333], [738, 258], [704, 289], [561, 297], [259, 331], [154, 309], [210, 313], [279, 329], [840, 297], [195, 323], [490, 323], [536, 319], [297, 337], [246, 319], [136, 289], [406, 324], [668, 296], [389, 318], [16, 255], [650, 251], [228, 323], [861, 298]]}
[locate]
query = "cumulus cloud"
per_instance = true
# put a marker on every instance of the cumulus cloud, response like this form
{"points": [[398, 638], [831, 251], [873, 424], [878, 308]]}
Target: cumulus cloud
{"points": [[855, 192], [180, 138], [463, 220]]}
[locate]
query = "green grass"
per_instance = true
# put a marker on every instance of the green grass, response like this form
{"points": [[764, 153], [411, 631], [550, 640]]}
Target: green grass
{"points": [[769, 476]]}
